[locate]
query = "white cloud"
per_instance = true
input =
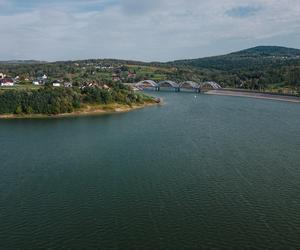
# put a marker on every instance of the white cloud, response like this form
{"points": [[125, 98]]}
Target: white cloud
{"points": [[144, 30]]}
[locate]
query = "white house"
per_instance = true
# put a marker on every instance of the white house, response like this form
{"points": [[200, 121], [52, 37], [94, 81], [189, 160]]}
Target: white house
{"points": [[7, 82], [2, 75], [56, 84]]}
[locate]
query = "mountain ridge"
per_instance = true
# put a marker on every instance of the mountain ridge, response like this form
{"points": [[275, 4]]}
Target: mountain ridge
{"points": [[261, 50], [252, 58]]}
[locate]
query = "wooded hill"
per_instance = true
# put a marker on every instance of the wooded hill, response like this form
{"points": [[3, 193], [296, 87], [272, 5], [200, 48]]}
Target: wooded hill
{"points": [[256, 68]]}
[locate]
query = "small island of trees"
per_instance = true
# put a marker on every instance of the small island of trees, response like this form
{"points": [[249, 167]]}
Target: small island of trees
{"points": [[52, 101]]}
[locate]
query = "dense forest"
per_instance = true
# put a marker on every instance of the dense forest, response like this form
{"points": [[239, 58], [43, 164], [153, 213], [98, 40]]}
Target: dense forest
{"points": [[264, 68], [51, 101]]}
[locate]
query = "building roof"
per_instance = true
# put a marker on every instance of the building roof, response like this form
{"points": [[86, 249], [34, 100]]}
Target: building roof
{"points": [[7, 80]]}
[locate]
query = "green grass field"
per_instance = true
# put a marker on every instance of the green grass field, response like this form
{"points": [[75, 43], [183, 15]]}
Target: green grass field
{"points": [[20, 87]]}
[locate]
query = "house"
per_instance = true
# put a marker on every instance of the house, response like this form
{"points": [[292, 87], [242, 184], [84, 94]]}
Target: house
{"points": [[131, 75], [68, 85], [35, 82], [115, 78], [2, 75], [7, 82], [57, 83], [39, 81], [106, 87]]}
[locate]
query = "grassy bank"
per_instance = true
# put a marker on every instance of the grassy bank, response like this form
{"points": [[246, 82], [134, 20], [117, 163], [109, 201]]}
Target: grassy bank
{"points": [[86, 110]]}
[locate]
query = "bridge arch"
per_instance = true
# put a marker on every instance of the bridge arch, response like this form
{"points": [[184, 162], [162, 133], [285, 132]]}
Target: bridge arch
{"points": [[171, 84], [168, 83], [210, 85], [189, 85], [146, 84]]}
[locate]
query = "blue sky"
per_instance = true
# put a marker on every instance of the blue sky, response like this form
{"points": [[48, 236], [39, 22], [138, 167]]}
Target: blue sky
{"points": [[156, 30]]}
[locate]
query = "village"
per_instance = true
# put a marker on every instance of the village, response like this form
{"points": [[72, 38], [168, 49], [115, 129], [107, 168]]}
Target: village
{"points": [[91, 76], [7, 81], [92, 73]]}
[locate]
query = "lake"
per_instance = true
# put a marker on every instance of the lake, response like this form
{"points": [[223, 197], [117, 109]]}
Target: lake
{"points": [[215, 172]]}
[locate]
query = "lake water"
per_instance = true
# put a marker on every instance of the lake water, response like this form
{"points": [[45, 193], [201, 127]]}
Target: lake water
{"points": [[214, 172]]}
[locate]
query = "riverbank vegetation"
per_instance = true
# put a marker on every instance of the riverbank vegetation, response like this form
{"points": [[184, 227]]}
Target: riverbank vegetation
{"points": [[53, 101]]}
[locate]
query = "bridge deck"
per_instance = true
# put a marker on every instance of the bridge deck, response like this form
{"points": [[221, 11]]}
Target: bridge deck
{"points": [[177, 86]]}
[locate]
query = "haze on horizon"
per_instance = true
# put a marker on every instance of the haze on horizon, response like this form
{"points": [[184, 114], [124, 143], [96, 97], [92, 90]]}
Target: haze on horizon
{"points": [[156, 30]]}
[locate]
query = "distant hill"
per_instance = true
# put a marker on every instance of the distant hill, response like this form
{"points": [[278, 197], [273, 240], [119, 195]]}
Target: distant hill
{"points": [[22, 62], [268, 51], [253, 58]]}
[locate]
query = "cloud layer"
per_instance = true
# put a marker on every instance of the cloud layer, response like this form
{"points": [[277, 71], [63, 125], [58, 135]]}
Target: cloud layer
{"points": [[143, 30]]}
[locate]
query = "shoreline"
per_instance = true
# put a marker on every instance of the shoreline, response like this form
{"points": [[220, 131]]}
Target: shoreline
{"points": [[266, 96], [88, 110]]}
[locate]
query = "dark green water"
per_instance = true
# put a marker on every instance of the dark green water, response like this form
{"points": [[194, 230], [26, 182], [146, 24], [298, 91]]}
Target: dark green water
{"points": [[208, 172]]}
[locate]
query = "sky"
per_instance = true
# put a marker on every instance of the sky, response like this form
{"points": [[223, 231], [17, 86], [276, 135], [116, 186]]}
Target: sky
{"points": [[146, 30]]}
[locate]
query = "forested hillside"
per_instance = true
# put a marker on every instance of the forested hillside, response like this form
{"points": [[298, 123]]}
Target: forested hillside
{"points": [[256, 68]]}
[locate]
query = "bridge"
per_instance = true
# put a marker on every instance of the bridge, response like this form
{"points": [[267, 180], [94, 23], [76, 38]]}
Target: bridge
{"points": [[197, 87]]}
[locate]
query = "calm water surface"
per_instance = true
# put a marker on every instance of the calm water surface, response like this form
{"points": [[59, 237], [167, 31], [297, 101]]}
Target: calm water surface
{"points": [[212, 172]]}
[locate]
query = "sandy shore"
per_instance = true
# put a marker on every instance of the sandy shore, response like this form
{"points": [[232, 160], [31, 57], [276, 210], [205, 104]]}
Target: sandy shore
{"points": [[255, 95], [85, 111]]}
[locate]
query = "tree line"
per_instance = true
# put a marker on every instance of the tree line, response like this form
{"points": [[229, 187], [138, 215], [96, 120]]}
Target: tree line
{"points": [[53, 101]]}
